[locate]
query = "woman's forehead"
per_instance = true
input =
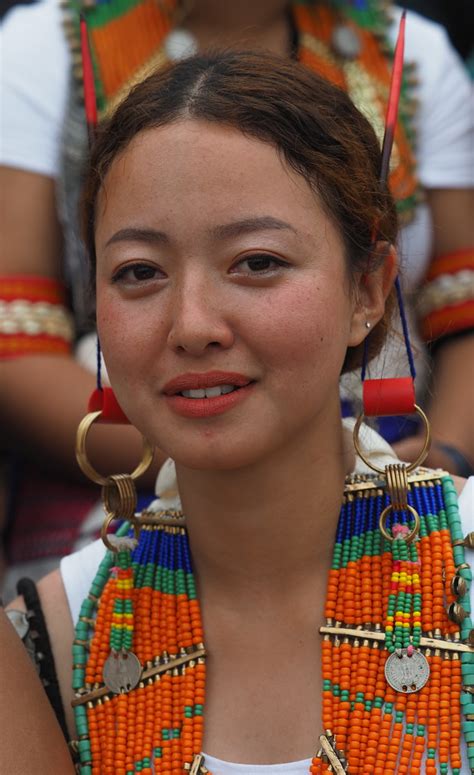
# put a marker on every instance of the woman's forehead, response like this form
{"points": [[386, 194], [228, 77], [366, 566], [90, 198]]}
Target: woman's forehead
{"points": [[214, 168]]}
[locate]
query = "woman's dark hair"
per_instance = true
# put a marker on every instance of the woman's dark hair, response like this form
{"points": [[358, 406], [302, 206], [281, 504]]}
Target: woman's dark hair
{"points": [[313, 124]]}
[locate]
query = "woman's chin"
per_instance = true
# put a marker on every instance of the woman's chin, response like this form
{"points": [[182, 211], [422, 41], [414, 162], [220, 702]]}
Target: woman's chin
{"points": [[230, 456]]}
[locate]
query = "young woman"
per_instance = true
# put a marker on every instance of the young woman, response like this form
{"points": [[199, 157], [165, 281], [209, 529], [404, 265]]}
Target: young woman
{"points": [[43, 148], [242, 247]]}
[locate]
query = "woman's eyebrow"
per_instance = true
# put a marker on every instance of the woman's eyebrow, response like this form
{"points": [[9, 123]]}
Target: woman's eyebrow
{"points": [[134, 234], [248, 225], [224, 231]]}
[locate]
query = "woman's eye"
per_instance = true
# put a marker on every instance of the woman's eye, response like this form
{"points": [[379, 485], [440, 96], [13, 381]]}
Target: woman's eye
{"points": [[259, 263], [137, 273]]}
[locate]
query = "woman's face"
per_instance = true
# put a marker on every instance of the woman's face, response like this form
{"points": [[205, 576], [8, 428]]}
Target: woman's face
{"points": [[224, 303]]}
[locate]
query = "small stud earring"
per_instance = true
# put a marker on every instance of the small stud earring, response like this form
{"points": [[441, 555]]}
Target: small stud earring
{"points": [[368, 324]]}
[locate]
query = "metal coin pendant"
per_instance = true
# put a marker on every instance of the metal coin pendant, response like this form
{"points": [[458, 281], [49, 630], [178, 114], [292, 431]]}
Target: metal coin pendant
{"points": [[407, 674], [122, 672], [345, 42]]}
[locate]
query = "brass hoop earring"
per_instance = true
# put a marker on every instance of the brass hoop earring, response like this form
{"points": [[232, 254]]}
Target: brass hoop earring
{"points": [[411, 466], [83, 461]]}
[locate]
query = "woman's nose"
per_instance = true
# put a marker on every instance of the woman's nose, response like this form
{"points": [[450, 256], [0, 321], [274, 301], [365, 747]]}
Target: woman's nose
{"points": [[199, 321]]}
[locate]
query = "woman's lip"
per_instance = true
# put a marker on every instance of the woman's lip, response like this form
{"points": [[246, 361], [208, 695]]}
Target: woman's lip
{"points": [[208, 407], [194, 381]]}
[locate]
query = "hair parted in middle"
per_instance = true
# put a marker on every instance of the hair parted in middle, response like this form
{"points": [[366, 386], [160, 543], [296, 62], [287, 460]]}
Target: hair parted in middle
{"points": [[313, 124]]}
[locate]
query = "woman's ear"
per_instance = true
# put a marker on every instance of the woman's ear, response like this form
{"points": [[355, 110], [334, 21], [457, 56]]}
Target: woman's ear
{"points": [[371, 291]]}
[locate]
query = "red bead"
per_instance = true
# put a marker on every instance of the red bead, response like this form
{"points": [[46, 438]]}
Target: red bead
{"points": [[105, 401], [387, 397]]}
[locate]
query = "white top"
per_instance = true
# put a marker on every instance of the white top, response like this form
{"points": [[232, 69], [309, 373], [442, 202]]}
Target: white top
{"points": [[79, 569], [36, 64]]}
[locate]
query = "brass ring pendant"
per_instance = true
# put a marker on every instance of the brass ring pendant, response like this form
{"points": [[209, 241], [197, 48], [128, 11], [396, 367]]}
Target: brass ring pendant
{"points": [[83, 461], [104, 530], [119, 497], [410, 466], [410, 537]]}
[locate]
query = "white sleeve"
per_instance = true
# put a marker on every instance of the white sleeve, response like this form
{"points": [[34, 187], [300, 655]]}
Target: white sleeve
{"points": [[466, 509], [78, 571], [35, 71], [445, 113]]}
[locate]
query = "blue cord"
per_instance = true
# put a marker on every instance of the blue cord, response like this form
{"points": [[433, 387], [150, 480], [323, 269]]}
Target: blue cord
{"points": [[365, 356], [99, 366], [403, 318], [406, 337]]}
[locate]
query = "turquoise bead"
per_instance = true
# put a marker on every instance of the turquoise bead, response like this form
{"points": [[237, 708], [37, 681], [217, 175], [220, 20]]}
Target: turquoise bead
{"points": [[78, 676], [450, 498], [84, 747], [465, 602], [87, 608]]}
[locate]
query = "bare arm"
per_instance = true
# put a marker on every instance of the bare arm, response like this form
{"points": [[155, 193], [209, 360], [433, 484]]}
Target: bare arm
{"points": [[43, 397], [31, 737], [451, 402]]}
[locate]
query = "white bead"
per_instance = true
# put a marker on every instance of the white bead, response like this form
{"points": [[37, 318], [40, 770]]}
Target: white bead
{"points": [[180, 44]]}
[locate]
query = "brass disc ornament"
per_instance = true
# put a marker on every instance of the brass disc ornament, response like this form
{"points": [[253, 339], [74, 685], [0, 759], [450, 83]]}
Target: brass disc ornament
{"points": [[407, 673], [122, 671]]}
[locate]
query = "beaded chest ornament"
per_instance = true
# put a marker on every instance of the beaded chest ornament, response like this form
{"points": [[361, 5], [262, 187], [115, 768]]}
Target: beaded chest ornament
{"points": [[139, 658]]}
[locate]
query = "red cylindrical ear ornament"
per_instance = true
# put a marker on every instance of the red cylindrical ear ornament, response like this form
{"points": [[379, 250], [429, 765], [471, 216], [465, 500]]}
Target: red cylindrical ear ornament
{"points": [[388, 397], [104, 401]]}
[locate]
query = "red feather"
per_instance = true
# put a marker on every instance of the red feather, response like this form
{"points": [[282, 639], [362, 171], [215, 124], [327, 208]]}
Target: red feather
{"points": [[393, 100]]}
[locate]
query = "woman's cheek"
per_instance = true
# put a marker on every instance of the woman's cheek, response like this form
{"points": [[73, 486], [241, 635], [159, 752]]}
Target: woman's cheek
{"points": [[122, 334], [301, 322]]}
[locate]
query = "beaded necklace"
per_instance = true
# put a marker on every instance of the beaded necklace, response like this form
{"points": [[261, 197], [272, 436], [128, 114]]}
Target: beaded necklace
{"points": [[128, 42], [139, 659]]}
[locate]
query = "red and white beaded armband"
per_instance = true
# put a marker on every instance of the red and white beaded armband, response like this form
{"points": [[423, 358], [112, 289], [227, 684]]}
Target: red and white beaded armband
{"points": [[446, 302], [33, 317]]}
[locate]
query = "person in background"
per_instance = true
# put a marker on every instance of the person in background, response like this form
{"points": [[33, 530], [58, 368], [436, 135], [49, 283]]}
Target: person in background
{"points": [[48, 376]]}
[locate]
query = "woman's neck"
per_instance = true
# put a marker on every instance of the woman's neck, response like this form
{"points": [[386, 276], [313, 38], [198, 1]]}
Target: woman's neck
{"points": [[246, 24], [268, 528]]}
